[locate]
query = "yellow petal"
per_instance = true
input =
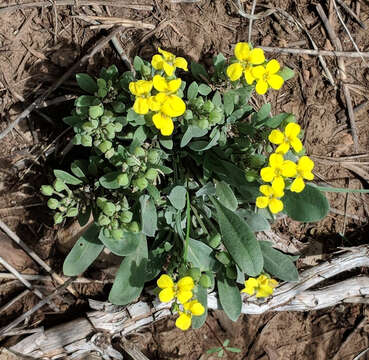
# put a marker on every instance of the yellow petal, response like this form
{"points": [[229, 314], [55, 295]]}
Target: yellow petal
{"points": [[266, 190], [292, 130], [174, 85], [296, 144], [278, 186], [264, 291], [272, 283], [143, 87], [183, 322], [160, 120], [250, 285], [305, 163], [283, 148], [258, 72], [197, 309], [168, 128], [298, 184], [157, 62], [166, 295], [234, 71], [275, 81], [275, 206], [272, 67], [261, 87], [165, 281], [186, 283], [267, 174], [154, 104], [289, 168], [262, 280], [184, 296], [168, 56], [276, 137], [141, 106], [187, 305], [169, 69], [132, 88], [306, 174], [248, 76], [276, 161], [242, 51], [181, 63], [262, 202], [174, 106], [160, 83], [256, 56]]}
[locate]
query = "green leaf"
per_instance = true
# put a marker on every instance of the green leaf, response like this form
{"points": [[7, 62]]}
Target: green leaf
{"points": [[153, 192], [277, 120], [217, 99], [83, 217], [72, 120], [263, 113], [204, 145], [239, 240], [166, 143], [213, 350], [192, 132], [86, 83], [286, 73], [138, 63], [202, 297], [341, 190], [229, 297], [204, 89], [87, 100], [67, 178], [277, 263], [131, 276], [80, 169], [310, 205], [84, 252], [225, 195], [198, 71], [193, 90], [109, 180], [200, 255], [138, 139], [238, 114], [126, 245], [219, 62], [177, 197], [134, 118], [256, 221], [233, 349], [229, 98], [149, 217]]}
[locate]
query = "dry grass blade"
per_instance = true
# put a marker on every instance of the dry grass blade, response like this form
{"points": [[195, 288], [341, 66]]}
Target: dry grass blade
{"points": [[241, 11], [114, 21], [13, 301], [351, 13]]}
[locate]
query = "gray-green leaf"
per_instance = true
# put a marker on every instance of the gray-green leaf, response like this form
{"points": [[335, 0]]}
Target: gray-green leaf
{"points": [[67, 178], [226, 195], [149, 217], [229, 297], [177, 197]]}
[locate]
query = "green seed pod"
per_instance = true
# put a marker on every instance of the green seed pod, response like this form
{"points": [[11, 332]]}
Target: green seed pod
{"points": [[101, 92], [131, 161], [118, 127], [136, 169], [109, 208], [188, 115], [77, 139], [66, 201], [107, 233], [223, 257], [195, 273], [215, 240], [114, 224], [47, 190], [100, 202], [215, 117], [153, 156], [52, 203], [110, 153], [110, 134], [139, 152], [97, 142], [141, 183], [103, 220], [126, 217], [104, 120], [134, 227], [86, 140], [143, 167], [123, 180], [198, 103], [110, 128], [72, 212], [95, 111], [117, 234], [105, 146], [58, 218], [59, 185], [101, 83], [208, 106], [151, 174], [205, 281], [87, 126], [251, 175], [231, 272], [203, 124]]}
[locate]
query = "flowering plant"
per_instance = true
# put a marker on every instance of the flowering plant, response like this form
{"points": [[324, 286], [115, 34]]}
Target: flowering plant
{"points": [[180, 174]]}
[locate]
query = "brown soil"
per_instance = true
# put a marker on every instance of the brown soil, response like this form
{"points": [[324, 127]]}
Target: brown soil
{"points": [[35, 50]]}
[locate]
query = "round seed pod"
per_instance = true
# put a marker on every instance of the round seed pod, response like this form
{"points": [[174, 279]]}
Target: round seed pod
{"points": [[58, 218], [205, 281], [153, 156], [58, 185], [116, 234], [123, 180], [151, 174], [126, 217], [141, 183], [215, 240], [134, 227], [105, 146], [86, 140], [203, 124], [195, 273], [95, 111], [103, 220], [72, 212], [109, 208], [139, 152], [52, 204], [47, 190]]}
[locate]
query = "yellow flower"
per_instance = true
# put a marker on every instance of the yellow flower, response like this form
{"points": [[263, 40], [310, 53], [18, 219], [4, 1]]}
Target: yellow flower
{"points": [[184, 320], [182, 290], [304, 167], [270, 198], [168, 62], [278, 169], [267, 77], [262, 286], [167, 101], [163, 123], [246, 59], [141, 89], [287, 139], [194, 307]]}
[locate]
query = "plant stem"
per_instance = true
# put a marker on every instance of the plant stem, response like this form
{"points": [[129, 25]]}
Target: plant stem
{"points": [[203, 227], [188, 226]]}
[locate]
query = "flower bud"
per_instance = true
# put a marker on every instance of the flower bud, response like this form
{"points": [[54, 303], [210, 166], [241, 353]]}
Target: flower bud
{"points": [[251, 175], [153, 156], [195, 273], [215, 240], [101, 92], [109, 208], [215, 117], [118, 127], [87, 126], [58, 185], [110, 153], [134, 227], [205, 281], [126, 217], [123, 180], [104, 120], [151, 174], [105, 146], [58, 218], [86, 140], [103, 220], [203, 124], [139, 152], [72, 212], [110, 128], [95, 111], [117, 234], [100, 202], [131, 161], [188, 115], [141, 183], [77, 139], [52, 203], [107, 233], [114, 224], [47, 190], [208, 106]]}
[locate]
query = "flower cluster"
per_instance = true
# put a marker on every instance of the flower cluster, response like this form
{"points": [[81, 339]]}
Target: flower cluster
{"points": [[160, 94], [252, 64], [262, 286], [279, 169], [183, 292]]}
